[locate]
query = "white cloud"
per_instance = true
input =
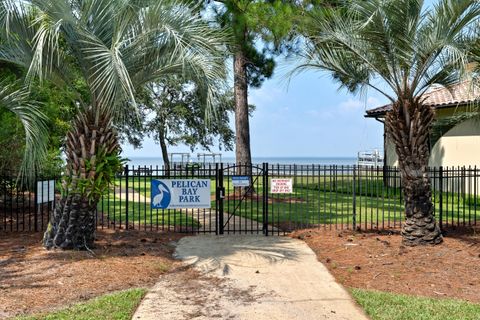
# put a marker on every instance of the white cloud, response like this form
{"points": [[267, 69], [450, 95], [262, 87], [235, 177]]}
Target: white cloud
{"points": [[265, 96], [325, 114], [354, 105], [373, 102], [351, 105]]}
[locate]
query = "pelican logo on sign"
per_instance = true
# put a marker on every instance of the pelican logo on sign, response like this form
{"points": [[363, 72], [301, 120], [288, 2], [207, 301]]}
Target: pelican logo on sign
{"points": [[161, 195]]}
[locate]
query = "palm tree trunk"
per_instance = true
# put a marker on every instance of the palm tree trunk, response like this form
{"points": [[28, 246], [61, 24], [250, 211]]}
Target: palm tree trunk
{"points": [[90, 141], [408, 125], [72, 225]]}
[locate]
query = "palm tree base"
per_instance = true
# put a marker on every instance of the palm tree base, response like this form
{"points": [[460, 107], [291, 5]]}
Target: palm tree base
{"points": [[421, 230], [72, 225]]}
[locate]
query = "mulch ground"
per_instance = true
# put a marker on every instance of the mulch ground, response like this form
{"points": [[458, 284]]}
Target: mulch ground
{"points": [[381, 262], [34, 280]]}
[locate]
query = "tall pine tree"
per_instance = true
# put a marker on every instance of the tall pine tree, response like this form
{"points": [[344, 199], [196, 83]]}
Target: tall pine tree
{"points": [[262, 29]]}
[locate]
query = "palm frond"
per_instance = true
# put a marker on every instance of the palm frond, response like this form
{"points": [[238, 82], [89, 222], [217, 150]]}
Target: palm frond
{"points": [[122, 45], [29, 113], [400, 42], [117, 45]]}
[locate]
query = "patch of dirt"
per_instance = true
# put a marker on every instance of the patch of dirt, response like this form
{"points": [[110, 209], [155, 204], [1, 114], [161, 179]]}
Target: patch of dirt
{"points": [[380, 261], [34, 280]]}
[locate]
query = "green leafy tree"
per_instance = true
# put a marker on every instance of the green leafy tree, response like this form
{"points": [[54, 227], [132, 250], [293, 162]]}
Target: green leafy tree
{"points": [[179, 117], [117, 46], [173, 112], [400, 49]]}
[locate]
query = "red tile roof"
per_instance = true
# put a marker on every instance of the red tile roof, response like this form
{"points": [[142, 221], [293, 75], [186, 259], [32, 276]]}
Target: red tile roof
{"points": [[460, 94]]}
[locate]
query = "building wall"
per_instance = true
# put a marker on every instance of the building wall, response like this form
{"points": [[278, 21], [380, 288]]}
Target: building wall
{"points": [[460, 146], [390, 153]]}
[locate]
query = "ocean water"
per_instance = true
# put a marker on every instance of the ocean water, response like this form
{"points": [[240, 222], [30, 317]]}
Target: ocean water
{"points": [[157, 161]]}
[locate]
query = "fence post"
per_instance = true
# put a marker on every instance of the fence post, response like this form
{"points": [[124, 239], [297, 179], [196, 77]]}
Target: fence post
{"points": [[354, 204], [265, 198], [440, 199], [126, 196], [217, 207], [35, 214], [220, 197]]}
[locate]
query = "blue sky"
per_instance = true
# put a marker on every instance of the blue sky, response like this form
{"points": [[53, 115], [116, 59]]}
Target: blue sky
{"points": [[309, 117]]}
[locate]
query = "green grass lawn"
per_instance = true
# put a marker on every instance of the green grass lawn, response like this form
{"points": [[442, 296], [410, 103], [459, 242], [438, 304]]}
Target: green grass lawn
{"points": [[140, 213], [388, 306], [322, 202], [329, 200], [116, 306], [320, 199]]}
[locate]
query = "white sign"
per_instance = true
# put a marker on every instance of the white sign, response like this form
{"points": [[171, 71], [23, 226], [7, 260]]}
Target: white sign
{"points": [[281, 186], [241, 181], [45, 191], [181, 194]]}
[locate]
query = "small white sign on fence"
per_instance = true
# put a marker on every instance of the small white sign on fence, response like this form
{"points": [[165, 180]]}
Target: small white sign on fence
{"points": [[241, 181], [281, 186], [45, 191]]}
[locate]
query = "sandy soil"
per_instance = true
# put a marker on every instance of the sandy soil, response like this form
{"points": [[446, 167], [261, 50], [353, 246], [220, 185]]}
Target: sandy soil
{"points": [[249, 277], [34, 280], [379, 261]]}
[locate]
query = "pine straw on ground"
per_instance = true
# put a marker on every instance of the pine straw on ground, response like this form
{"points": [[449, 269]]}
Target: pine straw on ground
{"points": [[34, 280], [381, 262]]}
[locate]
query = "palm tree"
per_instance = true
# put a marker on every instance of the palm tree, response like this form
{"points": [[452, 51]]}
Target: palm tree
{"points": [[116, 46], [399, 48], [17, 100]]}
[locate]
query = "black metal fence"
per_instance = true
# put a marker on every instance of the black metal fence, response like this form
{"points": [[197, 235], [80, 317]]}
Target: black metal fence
{"points": [[128, 202], [353, 197], [368, 198], [26, 207]]}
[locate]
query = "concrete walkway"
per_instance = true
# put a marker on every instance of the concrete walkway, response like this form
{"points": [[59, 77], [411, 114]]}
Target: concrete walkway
{"points": [[132, 194], [249, 277]]}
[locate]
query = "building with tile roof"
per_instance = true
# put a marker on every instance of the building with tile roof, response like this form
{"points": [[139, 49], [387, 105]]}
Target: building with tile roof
{"points": [[459, 143]]}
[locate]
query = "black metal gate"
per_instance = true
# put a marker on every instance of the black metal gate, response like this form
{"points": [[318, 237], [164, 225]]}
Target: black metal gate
{"points": [[242, 199], [320, 196]]}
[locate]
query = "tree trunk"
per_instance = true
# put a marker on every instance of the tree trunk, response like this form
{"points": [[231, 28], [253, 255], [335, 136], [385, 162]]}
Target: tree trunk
{"points": [[90, 141], [242, 126], [72, 225], [163, 146], [408, 125]]}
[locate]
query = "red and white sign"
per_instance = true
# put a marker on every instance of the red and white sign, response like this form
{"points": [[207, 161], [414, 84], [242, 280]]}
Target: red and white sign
{"points": [[281, 186]]}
